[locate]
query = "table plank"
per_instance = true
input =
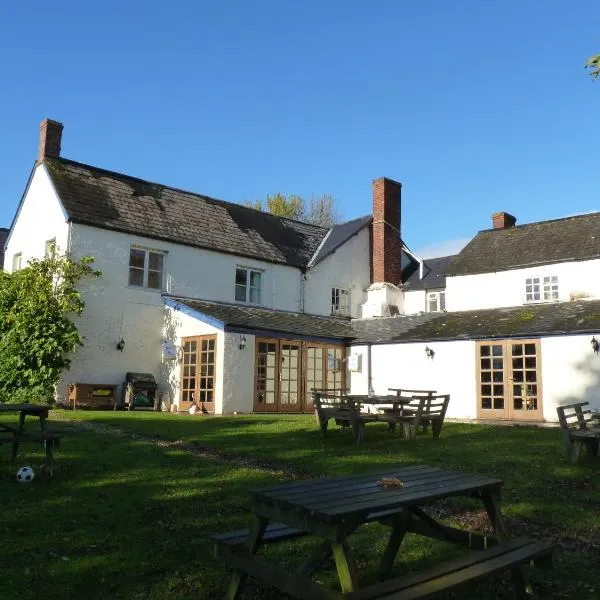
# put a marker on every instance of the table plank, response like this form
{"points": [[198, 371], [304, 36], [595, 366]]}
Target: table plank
{"points": [[334, 499]]}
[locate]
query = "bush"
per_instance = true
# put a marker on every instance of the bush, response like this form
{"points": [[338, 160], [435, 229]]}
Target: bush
{"points": [[33, 395]]}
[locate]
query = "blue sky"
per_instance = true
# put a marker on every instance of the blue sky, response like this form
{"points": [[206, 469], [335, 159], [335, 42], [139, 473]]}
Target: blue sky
{"points": [[475, 106]]}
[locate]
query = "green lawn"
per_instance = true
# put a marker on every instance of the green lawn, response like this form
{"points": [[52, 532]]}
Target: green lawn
{"points": [[126, 517]]}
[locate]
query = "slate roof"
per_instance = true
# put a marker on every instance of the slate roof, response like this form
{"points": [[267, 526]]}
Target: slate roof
{"points": [[433, 274], [523, 321], [546, 242], [337, 236], [110, 200], [256, 318], [3, 237]]}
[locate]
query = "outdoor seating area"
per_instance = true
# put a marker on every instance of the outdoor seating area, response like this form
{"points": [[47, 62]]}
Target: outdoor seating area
{"points": [[333, 509], [314, 517], [578, 430], [17, 435], [411, 414]]}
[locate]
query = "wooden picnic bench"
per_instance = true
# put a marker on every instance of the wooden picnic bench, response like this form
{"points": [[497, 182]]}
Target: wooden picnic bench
{"points": [[409, 412], [17, 435], [577, 429], [332, 509]]}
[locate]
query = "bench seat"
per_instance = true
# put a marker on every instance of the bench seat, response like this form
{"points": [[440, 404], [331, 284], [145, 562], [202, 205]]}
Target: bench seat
{"points": [[578, 430], [469, 568]]}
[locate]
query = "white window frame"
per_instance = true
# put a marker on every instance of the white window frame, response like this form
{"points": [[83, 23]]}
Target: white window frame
{"points": [[247, 285], [439, 298], [550, 288], [17, 261], [50, 247], [147, 252], [340, 301], [541, 288]]}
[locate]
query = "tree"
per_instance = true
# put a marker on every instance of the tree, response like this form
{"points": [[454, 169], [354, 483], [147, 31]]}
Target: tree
{"points": [[593, 63], [37, 332], [320, 210]]}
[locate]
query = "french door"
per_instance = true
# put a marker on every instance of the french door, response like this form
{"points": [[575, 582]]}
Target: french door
{"points": [[286, 371], [509, 380], [198, 373]]}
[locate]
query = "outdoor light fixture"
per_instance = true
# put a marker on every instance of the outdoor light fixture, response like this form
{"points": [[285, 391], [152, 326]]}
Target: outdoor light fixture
{"points": [[430, 353], [595, 345], [121, 344], [242, 342]]}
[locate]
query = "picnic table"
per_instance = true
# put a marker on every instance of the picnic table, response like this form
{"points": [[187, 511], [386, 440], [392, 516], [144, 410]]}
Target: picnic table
{"points": [[332, 509], [17, 435], [410, 412]]}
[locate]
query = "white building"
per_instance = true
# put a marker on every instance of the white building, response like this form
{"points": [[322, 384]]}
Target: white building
{"points": [[233, 309]]}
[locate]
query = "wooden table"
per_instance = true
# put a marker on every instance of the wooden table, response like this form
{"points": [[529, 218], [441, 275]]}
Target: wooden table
{"points": [[16, 435], [334, 508]]}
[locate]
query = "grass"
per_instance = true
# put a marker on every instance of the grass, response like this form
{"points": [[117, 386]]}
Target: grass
{"points": [[127, 518]]}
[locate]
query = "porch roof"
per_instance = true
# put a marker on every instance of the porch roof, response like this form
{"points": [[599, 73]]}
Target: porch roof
{"points": [[538, 320], [262, 321]]}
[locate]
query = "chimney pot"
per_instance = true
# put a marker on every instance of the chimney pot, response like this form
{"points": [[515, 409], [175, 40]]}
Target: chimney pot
{"points": [[503, 220], [386, 245], [50, 138]]}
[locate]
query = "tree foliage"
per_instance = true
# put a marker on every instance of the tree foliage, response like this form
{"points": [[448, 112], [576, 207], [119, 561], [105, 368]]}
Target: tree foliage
{"points": [[319, 210], [593, 63], [37, 333]]}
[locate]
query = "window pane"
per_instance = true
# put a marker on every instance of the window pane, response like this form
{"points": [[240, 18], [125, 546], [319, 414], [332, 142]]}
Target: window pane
{"points": [[241, 276], [155, 261], [255, 278], [497, 350], [137, 258], [240, 293], [154, 280], [255, 296], [136, 277]]}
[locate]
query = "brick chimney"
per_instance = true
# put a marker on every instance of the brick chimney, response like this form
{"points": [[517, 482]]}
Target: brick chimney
{"points": [[503, 220], [50, 137], [386, 247]]}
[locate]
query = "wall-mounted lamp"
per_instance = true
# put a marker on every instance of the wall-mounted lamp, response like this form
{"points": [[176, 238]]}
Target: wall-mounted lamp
{"points": [[430, 353], [242, 342], [121, 344], [595, 345]]}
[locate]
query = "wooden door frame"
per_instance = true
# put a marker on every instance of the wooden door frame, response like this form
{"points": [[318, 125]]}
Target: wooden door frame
{"points": [[538, 414], [198, 339], [263, 406], [293, 408], [303, 405], [509, 413]]}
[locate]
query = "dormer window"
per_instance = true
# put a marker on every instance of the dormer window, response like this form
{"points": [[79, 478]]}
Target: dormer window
{"points": [[541, 289], [436, 301], [340, 301]]}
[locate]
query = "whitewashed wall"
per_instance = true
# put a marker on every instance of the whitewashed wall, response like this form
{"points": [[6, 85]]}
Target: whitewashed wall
{"points": [[348, 267], [570, 372], [238, 380], [507, 288], [40, 219], [451, 371], [177, 325], [414, 302]]}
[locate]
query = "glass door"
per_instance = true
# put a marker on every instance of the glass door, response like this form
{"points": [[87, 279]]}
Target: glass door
{"points": [[508, 380], [315, 373], [198, 374], [525, 375], [289, 376], [266, 378]]}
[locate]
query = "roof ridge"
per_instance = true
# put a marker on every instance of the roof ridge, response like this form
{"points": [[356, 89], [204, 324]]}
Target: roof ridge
{"points": [[524, 225], [178, 189]]}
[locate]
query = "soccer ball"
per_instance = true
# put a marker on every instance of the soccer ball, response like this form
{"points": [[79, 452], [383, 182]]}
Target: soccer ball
{"points": [[25, 475]]}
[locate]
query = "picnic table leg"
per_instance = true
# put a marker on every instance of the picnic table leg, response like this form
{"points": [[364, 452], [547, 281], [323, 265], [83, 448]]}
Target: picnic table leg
{"points": [[358, 429], [491, 501], [345, 566], [399, 527], [20, 428], [253, 541]]}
